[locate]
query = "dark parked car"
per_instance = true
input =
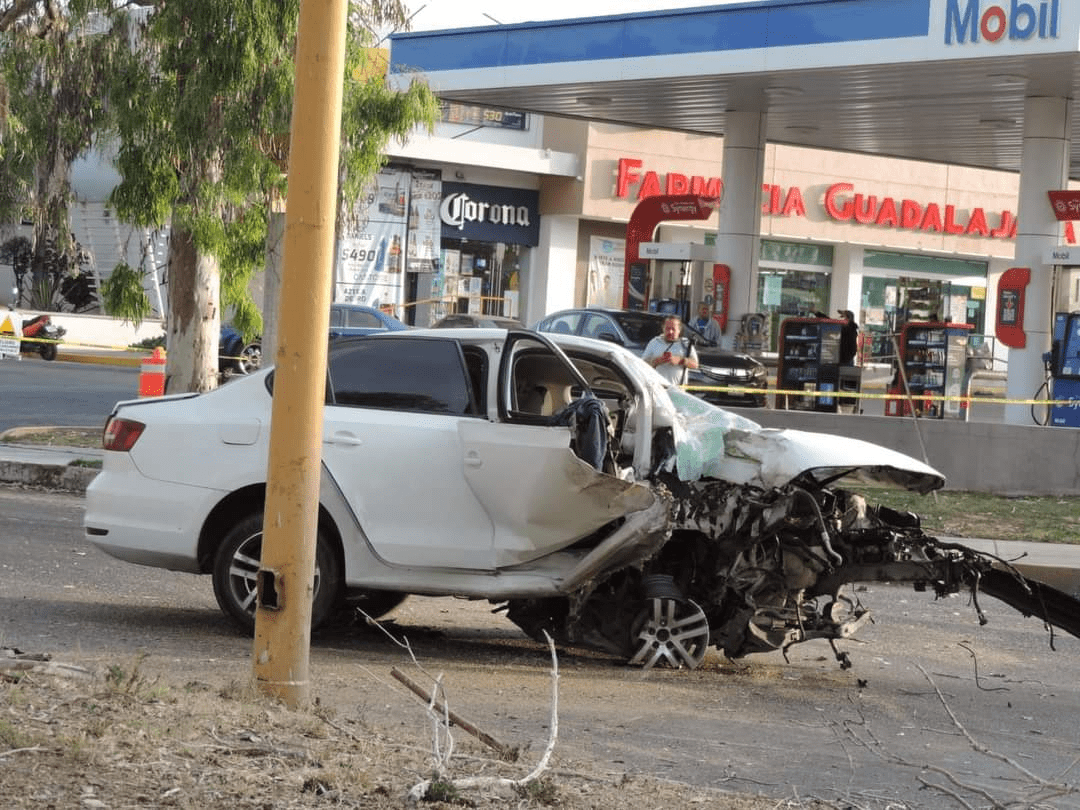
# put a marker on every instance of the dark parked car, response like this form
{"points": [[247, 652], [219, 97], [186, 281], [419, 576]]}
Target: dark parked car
{"points": [[236, 355], [634, 329], [357, 319], [461, 320]]}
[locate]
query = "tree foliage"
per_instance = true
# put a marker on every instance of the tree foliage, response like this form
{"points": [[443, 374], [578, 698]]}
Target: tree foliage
{"points": [[55, 65], [203, 111]]}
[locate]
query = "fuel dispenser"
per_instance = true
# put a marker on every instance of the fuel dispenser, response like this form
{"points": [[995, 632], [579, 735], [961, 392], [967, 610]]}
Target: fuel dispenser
{"points": [[1063, 365], [753, 335]]}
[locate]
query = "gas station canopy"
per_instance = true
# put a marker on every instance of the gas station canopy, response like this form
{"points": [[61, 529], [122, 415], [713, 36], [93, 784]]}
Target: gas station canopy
{"points": [[988, 84], [934, 80]]}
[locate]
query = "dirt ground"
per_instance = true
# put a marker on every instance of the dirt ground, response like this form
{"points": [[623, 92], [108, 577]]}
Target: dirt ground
{"points": [[102, 726], [134, 735], [105, 726]]}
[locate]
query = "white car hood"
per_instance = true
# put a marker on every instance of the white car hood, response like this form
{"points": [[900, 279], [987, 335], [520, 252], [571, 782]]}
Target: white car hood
{"points": [[713, 443]]}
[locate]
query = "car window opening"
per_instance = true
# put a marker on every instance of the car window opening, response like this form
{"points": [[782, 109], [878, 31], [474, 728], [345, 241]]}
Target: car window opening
{"points": [[476, 366], [547, 393]]}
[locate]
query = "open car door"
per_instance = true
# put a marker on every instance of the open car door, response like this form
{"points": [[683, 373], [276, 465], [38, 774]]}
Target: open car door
{"points": [[539, 471]]}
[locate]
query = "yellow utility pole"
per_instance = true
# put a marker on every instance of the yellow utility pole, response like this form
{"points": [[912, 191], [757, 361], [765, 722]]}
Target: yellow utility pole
{"points": [[290, 523]]}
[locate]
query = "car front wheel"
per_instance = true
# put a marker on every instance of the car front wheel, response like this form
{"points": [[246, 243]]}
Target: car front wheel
{"points": [[236, 566]]}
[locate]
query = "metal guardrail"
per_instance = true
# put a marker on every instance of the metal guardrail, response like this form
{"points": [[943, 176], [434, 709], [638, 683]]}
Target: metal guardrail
{"points": [[982, 374]]}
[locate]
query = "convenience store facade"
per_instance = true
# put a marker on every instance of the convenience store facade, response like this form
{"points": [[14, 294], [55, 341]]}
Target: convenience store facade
{"points": [[883, 237], [973, 83]]}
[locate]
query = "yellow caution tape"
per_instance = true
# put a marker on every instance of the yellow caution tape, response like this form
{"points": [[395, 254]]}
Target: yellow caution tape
{"points": [[916, 399]]}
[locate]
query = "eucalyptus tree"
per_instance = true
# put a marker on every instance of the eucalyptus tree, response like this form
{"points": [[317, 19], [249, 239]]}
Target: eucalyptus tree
{"points": [[203, 110], [56, 61]]}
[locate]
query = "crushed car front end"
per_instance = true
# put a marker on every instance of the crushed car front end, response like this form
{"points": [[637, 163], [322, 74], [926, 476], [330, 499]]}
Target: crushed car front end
{"points": [[762, 545]]}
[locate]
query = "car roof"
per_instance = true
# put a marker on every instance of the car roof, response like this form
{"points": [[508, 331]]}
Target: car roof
{"points": [[473, 335], [462, 316], [642, 313], [454, 332]]}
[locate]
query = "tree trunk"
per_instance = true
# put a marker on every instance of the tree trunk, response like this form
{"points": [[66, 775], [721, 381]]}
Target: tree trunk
{"points": [[275, 250], [50, 218], [194, 322]]}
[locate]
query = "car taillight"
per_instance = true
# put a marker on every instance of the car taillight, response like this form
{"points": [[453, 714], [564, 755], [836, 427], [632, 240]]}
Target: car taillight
{"points": [[121, 434]]}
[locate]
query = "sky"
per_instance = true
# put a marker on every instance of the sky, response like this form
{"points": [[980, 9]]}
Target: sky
{"points": [[435, 14]]}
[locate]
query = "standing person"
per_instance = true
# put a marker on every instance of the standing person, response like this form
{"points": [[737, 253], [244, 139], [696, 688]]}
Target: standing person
{"points": [[670, 353], [849, 338], [707, 325]]}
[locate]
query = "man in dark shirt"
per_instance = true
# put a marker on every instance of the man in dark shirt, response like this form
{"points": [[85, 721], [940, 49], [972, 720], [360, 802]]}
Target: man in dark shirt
{"points": [[849, 338]]}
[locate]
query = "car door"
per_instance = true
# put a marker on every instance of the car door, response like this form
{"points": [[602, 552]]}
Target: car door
{"points": [[541, 496], [600, 326], [391, 442]]}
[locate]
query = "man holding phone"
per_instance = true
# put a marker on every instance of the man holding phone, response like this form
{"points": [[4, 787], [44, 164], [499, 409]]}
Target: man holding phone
{"points": [[670, 353]]}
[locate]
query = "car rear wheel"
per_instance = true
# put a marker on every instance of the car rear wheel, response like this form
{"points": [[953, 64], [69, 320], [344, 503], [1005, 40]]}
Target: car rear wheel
{"points": [[236, 565]]}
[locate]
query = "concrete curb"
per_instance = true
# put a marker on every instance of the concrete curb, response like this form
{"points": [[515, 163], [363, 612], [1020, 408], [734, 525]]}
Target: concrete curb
{"points": [[12, 434], [102, 359], [65, 477], [69, 469]]}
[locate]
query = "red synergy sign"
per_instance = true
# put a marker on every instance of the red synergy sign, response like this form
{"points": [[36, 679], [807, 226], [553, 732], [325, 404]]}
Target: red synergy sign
{"points": [[642, 225], [1066, 204]]}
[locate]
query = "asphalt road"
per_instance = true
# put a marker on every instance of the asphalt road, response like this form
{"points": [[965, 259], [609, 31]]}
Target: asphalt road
{"points": [[786, 729], [35, 392]]}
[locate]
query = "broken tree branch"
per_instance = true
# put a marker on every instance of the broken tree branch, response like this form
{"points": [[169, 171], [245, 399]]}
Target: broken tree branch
{"points": [[419, 790], [13, 751], [506, 752], [982, 749]]}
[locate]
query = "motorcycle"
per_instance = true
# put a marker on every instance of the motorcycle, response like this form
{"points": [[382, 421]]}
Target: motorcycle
{"points": [[41, 335]]}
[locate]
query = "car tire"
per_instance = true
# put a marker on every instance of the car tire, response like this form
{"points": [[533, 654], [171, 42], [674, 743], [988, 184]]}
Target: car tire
{"points": [[250, 359], [237, 563], [48, 351]]}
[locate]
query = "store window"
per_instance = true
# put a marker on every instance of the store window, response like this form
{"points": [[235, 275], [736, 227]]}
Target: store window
{"points": [[899, 288], [486, 237], [479, 278], [794, 280]]}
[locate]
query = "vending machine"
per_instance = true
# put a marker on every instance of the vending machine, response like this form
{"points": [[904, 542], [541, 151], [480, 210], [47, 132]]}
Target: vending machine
{"points": [[808, 359], [934, 358]]}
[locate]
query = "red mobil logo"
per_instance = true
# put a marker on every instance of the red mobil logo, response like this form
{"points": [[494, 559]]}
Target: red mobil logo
{"points": [[977, 21]]}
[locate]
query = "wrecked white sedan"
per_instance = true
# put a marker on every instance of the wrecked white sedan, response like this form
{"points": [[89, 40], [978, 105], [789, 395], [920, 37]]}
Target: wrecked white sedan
{"points": [[557, 477]]}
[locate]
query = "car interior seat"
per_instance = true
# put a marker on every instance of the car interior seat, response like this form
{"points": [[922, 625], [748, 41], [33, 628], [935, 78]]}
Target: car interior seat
{"points": [[556, 397], [561, 327], [531, 399]]}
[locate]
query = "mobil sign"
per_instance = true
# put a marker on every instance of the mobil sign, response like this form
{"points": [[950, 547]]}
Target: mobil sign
{"points": [[973, 21]]}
